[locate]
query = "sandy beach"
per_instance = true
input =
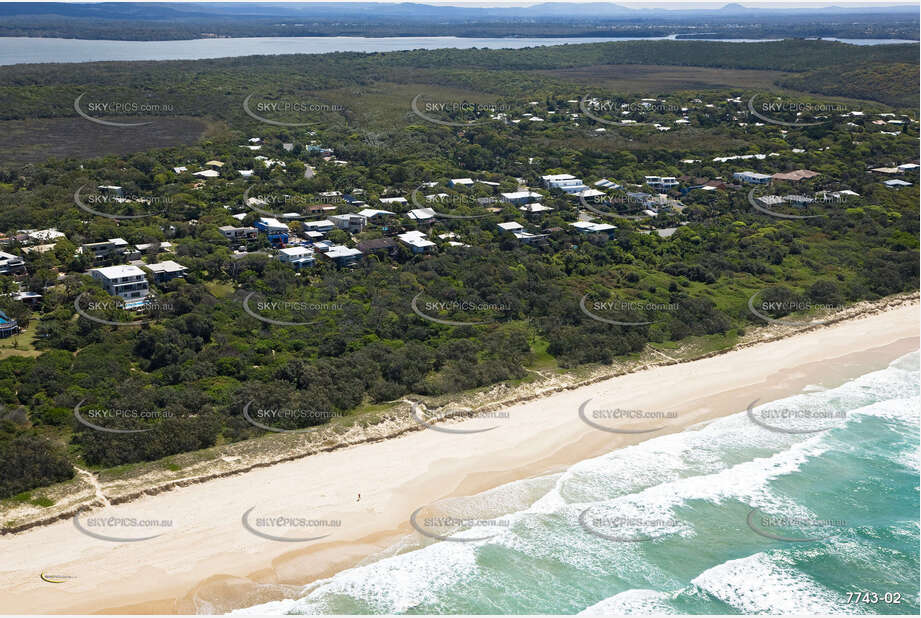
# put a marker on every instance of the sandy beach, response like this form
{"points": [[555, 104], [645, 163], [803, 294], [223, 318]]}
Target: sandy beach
{"points": [[208, 560]]}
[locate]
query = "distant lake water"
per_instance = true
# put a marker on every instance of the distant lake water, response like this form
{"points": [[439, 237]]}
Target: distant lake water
{"points": [[18, 50]]}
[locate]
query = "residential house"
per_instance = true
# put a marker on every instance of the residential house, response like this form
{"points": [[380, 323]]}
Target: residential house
{"points": [[393, 200], [522, 235], [208, 174], [322, 226], [11, 264], [342, 255], [321, 209], [51, 235], [417, 242], [520, 197], [110, 250], [752, 178], [896, 183], [422, 215], [604, 183], [564, 182], [535, 208], [589, 194], [351, 223], [460, 182], [297, 256], [770, 200], [231, 232], [661, 183], [8, 326], [375, 216], [159, 246], [126, 282], [798, 200], [592, 228], [166, 271], [796, 175], [378, 246], [275, 230]]}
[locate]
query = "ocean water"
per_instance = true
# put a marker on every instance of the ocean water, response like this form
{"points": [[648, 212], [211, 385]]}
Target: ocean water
{"points": [[724, 518]]}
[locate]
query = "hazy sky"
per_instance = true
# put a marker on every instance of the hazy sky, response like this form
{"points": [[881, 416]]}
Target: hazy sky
{"points": [[627, 3]]}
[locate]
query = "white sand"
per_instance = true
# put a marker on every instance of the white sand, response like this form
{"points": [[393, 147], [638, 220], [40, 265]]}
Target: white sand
{"points": [[208, 554]]}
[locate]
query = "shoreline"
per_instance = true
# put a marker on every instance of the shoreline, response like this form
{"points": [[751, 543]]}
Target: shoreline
{"points": [[148, 487], [210, 559]]}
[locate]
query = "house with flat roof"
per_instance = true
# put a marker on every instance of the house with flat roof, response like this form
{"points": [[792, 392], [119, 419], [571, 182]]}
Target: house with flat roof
{"points": [[460, 182], [661, 183], [298, 257], [323, 226], [592, 228], [125, 281], [166, 271], [351, 223], [564, 182], [520, 197], [417, 242], [11, 264], [341, 255], [752, 178], [112, 249], [232, 232], [275, 230], [393, 200]]}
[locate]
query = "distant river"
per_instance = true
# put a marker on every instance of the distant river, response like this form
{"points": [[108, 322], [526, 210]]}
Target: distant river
{"points": [[18, 50]]}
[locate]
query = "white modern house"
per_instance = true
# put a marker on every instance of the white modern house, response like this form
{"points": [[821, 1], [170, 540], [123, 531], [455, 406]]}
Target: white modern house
{"points": [[11, 264], [297, 256], [393, 200], [590, 227], [374, 215], [417, 242], [520, 197], [125, 281], [166, 271], [323, 226], [662, 183], [753, 178], [422, 214], [564, 182]]}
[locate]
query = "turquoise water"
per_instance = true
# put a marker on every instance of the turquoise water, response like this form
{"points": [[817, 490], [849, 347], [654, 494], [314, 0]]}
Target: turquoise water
{"points": [[685, 501]]}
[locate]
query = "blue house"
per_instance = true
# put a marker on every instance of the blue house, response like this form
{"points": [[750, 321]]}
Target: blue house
{"points": [[275, 230]]}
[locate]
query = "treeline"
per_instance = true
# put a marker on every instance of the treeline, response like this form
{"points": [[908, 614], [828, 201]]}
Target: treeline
{"points": [[889, 83], [177, 25], [30, 91]]}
